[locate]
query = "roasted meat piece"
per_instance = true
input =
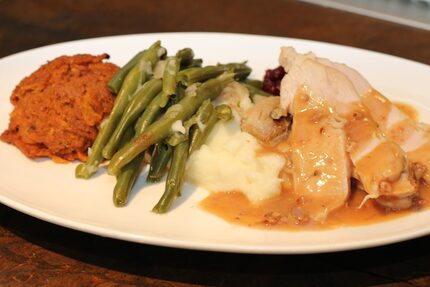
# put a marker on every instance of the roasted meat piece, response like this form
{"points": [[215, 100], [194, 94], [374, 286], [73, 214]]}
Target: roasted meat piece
{"points": [[321, 167], [257, 121], [379, 163]]}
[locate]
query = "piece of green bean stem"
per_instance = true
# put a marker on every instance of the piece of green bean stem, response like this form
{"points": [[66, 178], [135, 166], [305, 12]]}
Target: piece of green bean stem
{"points": [[136, 77], [175, 178], [223, 112], [114, 85], [162, 128], [134, 109]]}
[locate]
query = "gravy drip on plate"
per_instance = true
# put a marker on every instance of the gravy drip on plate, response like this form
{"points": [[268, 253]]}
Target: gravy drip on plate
{"points": [[281, 212]]}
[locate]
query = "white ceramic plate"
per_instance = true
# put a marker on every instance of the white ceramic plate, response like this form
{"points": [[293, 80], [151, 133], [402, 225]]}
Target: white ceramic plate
{"points": [[50, 192]]}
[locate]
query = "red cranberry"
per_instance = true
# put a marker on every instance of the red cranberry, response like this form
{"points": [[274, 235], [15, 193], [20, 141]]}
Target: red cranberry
{"points": [[272, 80]]}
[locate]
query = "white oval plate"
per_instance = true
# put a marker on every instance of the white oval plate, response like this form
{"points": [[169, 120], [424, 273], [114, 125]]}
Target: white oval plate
{"points": [[50, 191]]}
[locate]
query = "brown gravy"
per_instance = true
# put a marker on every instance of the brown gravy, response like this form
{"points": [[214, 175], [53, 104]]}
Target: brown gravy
{"points": [[409, 110], [277, 213], [280, 212]]}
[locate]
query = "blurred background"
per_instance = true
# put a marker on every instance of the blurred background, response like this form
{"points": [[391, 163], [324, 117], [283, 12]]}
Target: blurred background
{"points": [[414, 13], [27, 24]]}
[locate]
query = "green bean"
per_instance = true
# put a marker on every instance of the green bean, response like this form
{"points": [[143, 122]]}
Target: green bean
{"points": [[175, 178], [85, 170], [128, 135], [134, 78], [196, 132], [241, 70], [199, 118], [125, 179], [185, 56], [171, 69], [129, 173], [169, 79], [153, 110], [199, 135], [180, 94], [176, 138], [114, 85], [139, 102], [160, 129], [149, 115], [255, 83], [253, 91], [162, 152], [192, 75], [202, 113], [195, 63], [160, 159]]}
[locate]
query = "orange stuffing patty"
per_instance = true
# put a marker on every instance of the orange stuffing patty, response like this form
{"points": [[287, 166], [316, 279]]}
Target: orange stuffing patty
{"points": [[58, 108]]}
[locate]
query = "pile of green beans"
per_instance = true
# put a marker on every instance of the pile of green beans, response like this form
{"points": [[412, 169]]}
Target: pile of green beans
{"points": [[145, 111]]}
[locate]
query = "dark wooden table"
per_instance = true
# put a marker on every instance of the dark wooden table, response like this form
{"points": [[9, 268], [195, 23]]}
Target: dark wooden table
{"points": [[36, 253]]}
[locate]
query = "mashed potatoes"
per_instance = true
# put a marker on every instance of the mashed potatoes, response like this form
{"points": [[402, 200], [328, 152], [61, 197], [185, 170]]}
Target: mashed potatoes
{"points": [[229, 161]]}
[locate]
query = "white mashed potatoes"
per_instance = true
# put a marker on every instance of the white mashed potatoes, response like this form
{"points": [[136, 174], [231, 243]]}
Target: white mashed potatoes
{"points": [[229, 161]]}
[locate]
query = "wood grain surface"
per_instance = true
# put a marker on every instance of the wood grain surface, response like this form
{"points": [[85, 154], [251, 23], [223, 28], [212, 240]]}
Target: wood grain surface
{"points": [[36, 253]]}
